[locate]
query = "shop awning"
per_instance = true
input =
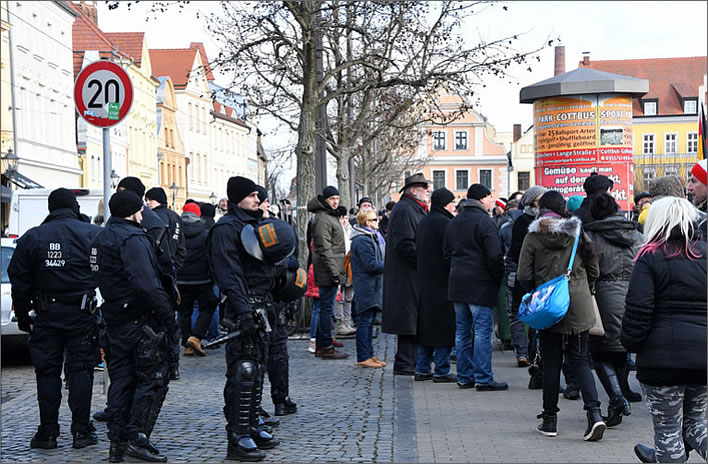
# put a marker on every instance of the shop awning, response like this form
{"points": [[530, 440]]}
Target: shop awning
{"points": [[22, 181]]}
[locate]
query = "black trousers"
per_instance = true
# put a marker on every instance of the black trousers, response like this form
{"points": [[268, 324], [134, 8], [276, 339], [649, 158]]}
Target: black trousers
{"points": [[406, 352], [278, 359], [576, 350], [204, 295], [58, 330]]}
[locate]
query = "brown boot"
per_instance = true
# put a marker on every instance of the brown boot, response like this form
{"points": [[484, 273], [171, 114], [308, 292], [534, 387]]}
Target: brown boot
{"points": [[331, 353], [188, 351], [196, 345]]}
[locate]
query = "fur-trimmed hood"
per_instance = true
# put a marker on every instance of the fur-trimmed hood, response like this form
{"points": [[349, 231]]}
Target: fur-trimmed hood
{"points": [[555, 232]]}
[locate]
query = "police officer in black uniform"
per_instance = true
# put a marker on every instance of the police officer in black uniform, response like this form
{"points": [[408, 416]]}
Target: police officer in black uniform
{"points": [[156, 199], [50, 274], [246, 282], [139, 320]]}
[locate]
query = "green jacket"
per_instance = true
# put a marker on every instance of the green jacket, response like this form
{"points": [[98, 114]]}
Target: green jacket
{"points": [[328, 249], [545, 255]]}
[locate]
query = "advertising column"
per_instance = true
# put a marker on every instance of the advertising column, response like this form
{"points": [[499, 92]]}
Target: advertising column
{"points": [[580, 134]]}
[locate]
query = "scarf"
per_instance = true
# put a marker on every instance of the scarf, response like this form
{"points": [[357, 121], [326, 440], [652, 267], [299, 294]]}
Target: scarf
{"points": [[422, 205]]}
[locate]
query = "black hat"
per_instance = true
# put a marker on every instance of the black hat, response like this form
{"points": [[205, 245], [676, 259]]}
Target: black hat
{"points": [[133, 184], [271, 241], [262, 193], [365, 200], [415, 179], [638, 196], [158, 194], [208, 210], [239, 188], [62, 198], [477, 192], [290, 286], [341, 211], [124, 203], [329, 191], [597, 183], [441, 197]]}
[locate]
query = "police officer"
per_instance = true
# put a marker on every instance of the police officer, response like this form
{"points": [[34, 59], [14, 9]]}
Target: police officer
{"points": [[139, 319], [246, 296], [50, 274], [156, 199]]}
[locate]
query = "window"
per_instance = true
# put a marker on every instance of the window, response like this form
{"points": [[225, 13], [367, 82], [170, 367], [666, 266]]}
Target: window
{"points": [[692, 142], [690, 106], [438, 179], [462, 179], [648, 144], [438, 140], [671, 170], [670, 145], [650, 108], [524, 180], [648, 173], [485, 178], [461, 140]]}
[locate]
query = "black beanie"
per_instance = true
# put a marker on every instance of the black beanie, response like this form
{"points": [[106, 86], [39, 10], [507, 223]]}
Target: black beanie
{"points": [[158, 194], [262, 193], [477, 192], [329, 191], [341, 211], [597, 183], [124, 203], [441, 197], [208, 209], [133, 184], [62, 198], [239, 188]]}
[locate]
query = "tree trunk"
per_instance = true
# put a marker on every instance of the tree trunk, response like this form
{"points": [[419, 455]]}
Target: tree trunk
{"points": [[345, 197]]}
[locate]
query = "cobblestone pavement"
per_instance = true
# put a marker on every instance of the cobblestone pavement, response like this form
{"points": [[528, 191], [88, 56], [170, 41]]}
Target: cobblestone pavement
{"points": [[345, 414]]}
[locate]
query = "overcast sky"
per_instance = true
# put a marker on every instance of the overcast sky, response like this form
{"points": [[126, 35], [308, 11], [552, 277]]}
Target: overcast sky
{"points": [[609, 30]]}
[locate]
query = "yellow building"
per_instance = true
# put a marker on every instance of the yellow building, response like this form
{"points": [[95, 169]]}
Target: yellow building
{"points": [[665, 120], [169, 146]]}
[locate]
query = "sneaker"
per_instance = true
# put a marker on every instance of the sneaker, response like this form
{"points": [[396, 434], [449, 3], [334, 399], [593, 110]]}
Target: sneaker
{"points": [[523, 361], [188, 351], [43, 440], [494, 386], [422, 377], [369, 363], [196, 345], [449, 378], [311, 347], [465, 385], [100, 367]]}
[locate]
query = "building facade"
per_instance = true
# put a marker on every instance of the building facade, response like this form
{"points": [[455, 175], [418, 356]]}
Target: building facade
{"points": [[522, 159], [173, 166]]}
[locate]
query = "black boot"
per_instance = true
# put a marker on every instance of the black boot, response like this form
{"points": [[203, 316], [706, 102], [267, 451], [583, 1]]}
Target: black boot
{"points": [[116, 451], [84, 439], [44, 439], [623, 377], [549, 426], [286, 406], [263, 439], [644, 453], [243, 448], [596, 426], [139, 448], [618, 405], [617, 408], [100, 416], [267, 419]]}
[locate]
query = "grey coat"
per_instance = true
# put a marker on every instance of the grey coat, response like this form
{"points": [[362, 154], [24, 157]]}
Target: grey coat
{"points": [[545, 255], [328, 249]]}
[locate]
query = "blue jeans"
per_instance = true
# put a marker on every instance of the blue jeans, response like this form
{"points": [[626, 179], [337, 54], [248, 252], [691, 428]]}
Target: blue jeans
{"points": [[328, 295], [474, 364], [364, 335], [428, 354], [315, 318]]}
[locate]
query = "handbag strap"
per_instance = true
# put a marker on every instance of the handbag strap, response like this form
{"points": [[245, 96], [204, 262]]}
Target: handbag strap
{"points": [[572, 256]]}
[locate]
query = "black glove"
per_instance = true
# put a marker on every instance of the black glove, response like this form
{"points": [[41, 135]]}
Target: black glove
{"points": [[24, 323], [247, 324], [228, 324]]}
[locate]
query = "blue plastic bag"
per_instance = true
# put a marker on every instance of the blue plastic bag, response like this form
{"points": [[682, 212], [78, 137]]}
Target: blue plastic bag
{"points": [[546, 305]]}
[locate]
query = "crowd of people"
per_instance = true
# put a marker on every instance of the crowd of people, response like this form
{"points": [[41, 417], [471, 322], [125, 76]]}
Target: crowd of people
{"points": [[428, 269]]}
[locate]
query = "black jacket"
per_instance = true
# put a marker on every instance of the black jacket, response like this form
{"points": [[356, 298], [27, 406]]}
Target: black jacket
{"points": [[238, 275], [473, 250], [507, 228], [400, 292], [436, 314], [158, 231], [195, 269], [518, 232], [127, 273], [52, 259], [175, 239], [665, 316]]}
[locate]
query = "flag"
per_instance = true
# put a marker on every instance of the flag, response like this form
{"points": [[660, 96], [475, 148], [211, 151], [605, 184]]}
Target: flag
{"points": [[702, 134]]}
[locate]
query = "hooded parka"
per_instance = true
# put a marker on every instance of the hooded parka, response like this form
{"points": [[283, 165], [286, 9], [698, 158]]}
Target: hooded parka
{"points": [[328, 248]]}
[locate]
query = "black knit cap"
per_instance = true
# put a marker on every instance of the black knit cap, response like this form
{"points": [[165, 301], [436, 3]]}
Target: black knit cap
{"points": [[239, 188], [133, 184], [62, 198], [158, 194], [124, 203], [262, 193], [597, 183], [208, 209], [441, 197], [341, 211], [365, 200], [329, 191], [477, 192]]}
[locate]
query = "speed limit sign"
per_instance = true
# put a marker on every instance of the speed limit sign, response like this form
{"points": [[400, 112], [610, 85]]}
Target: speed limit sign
{"points": [[103, 93]]}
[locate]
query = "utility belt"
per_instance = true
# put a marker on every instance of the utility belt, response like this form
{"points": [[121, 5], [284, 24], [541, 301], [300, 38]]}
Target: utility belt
{"points": [[86, 301]]}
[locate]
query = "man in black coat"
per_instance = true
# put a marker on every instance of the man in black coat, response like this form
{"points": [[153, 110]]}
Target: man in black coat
{"points": [[50, 273], [595, 183], [156, 199], [473, 249], [400, 290], [436, 314]]}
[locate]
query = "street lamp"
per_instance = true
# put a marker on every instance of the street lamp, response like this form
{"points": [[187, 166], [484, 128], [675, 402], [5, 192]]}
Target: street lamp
{"points": [[173, 189], [212, 198], [10, 161], [114, 179]]}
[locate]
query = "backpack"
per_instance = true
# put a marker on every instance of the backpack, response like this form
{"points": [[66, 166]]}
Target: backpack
{"points": [[348, 266]]}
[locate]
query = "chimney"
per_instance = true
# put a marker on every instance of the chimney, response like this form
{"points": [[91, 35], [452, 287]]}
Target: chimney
{"points": [[559, 67], [90, 11], [586, 58], [517, 132]]}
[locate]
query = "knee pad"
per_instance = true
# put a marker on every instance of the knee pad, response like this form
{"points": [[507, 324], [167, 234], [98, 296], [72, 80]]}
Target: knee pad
{"points": [[246, 371]]}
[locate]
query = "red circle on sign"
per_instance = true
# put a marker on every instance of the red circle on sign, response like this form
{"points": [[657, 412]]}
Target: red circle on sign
{"points": [[81, 79]]}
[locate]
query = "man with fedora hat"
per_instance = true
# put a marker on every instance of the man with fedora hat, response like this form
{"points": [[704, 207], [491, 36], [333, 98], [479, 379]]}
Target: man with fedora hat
{"points": [[400, 291]]}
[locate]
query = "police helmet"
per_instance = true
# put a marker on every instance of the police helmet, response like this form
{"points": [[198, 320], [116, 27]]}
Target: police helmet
{"points": [[291, 286], [271, 241]]}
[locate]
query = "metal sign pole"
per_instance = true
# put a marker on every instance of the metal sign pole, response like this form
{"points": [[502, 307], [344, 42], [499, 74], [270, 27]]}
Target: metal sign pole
{"points": [[106, 172]]}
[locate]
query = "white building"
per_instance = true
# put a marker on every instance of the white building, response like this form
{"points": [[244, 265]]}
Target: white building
{"points": [[43, 84]]}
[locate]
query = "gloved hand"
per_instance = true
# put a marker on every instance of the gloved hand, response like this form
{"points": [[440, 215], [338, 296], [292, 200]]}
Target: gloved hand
{"points": [[24, 323], [247, 324], [292, 263], [228, 324]]}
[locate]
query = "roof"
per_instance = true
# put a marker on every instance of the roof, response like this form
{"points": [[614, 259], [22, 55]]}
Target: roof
{"points": [[670, 79], [205, 61], [129, 42], [583, 81], [174, 62]]}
